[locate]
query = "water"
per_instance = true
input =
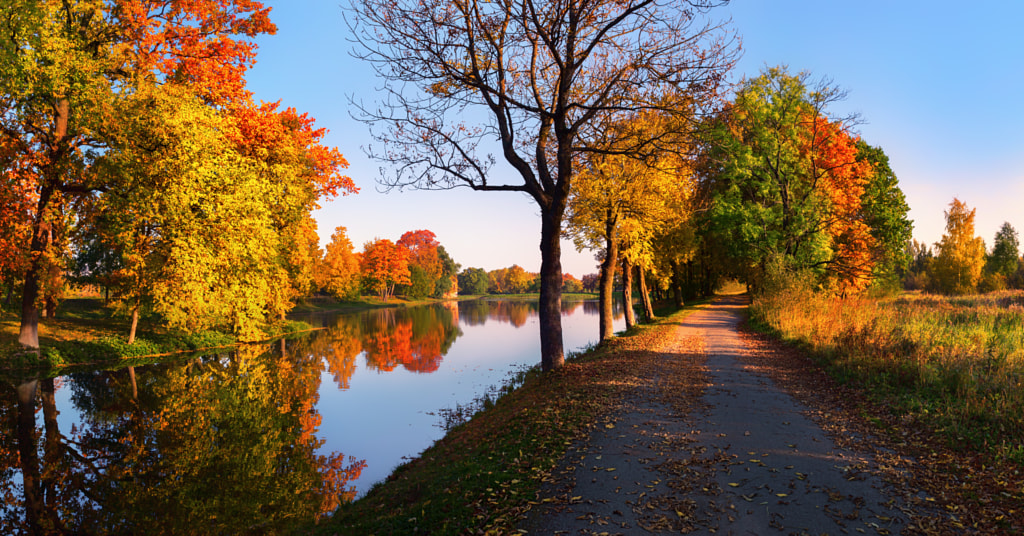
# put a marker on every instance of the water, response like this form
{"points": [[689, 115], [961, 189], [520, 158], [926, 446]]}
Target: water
{"points": [[254, 439]]}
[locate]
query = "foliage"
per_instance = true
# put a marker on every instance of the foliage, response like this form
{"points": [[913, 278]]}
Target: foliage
{"points": [[961, 254], [384, 265], [473, 281], [1005, 254], [447, 284], [787, 180], [339, 268], [885, 213]]}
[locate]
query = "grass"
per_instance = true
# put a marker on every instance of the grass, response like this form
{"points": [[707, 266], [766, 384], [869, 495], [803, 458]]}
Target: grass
{"points": [[483, 474], [953, 364], [87, 333]]}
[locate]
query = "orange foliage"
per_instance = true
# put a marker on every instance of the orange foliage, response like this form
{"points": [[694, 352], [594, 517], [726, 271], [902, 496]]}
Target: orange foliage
{"points": [[287, 137], [383, 265], [189, 41], [842, 178], [422, 246]]}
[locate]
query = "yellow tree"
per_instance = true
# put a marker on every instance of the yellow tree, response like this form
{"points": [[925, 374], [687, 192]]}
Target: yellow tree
{"points": [[621, 202], [339, 269], [961, 255]]}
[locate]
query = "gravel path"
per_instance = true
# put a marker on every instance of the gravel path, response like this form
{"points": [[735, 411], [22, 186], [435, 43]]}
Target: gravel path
{"points": [[708, 445]]}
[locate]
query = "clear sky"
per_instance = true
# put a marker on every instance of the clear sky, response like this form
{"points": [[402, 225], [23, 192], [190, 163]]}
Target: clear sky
{"points": [[938, 85]]}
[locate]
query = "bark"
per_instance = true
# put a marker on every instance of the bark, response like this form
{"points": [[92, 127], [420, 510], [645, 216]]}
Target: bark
{"points": [[607, 282], [135, 324], [645, 297], [552, 356], [627, 293], [677, 285], [29, 333]]}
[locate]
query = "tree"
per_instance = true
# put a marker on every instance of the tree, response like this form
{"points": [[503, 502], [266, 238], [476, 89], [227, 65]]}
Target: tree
{"points": [[448, 284], [785, 182], [885, 213], [384, 265], [1005, 252], [339, 271], [621, 203], [473, 281], [961, 255], [65, 66], [544, 77]]}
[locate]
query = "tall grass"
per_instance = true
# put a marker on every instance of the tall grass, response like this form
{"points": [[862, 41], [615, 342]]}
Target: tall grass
{"points": [[954, 363]]}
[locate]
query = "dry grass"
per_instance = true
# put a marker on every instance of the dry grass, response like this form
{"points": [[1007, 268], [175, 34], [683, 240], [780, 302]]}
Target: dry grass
{"points": [[955, 362]]}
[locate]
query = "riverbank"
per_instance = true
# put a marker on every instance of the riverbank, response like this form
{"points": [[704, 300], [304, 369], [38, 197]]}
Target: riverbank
{"points": [[86, 332], [484, 473]]}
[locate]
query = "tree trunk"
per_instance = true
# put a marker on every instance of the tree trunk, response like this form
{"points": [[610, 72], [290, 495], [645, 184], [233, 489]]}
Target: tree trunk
{"points": [[607, 282], [28, 335], [552, 356], [677, 285], [29, 456], [135, 324], [645, 297], [627, 293]]}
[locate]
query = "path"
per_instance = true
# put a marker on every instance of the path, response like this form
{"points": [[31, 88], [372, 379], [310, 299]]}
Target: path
{"points": [[747, 461]]}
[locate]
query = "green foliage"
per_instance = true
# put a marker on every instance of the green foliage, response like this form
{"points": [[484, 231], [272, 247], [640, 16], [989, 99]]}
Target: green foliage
{"points": [[449, 274], [420, 284], [885, 209], [473, 281], [1005, 254]]}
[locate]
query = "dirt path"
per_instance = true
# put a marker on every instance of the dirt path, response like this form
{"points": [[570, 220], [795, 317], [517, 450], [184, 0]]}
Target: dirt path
{"points": [[746, 461]]}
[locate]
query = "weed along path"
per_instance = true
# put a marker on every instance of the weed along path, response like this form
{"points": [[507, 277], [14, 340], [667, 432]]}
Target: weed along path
{"points": [[709, 444]]}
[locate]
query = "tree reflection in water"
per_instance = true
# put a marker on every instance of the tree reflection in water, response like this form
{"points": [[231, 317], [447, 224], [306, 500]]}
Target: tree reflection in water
{"points": [[222, 443]]}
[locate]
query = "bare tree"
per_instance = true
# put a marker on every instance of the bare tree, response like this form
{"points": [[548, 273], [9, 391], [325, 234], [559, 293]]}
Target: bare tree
{"points": [[535, 80]]}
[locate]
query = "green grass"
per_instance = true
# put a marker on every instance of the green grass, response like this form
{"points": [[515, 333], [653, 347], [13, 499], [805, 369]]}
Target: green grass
{"points": [[955, 364]]}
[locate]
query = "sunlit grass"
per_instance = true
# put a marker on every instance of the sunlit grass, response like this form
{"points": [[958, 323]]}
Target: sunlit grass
{"points": [[954, 363]]}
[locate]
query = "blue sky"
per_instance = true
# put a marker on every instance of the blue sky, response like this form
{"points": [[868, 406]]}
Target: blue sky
{"points": [[937, 85]]}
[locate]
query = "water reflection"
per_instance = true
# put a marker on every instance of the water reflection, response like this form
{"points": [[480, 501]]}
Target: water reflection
{"points": [[222, 443], [234, 442]]}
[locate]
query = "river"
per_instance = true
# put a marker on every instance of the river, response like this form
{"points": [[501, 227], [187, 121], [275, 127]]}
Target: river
{"points": [[253, 439]]}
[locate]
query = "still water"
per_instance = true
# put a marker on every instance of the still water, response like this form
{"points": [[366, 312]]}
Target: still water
{"points": [[263, 436]]}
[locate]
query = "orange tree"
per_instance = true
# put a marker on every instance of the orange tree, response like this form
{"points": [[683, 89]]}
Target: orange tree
{"points": [[535, 79], [383, 265]]}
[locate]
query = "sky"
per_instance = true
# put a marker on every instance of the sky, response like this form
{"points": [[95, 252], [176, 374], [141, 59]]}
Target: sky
{"points": [[937, 85]]}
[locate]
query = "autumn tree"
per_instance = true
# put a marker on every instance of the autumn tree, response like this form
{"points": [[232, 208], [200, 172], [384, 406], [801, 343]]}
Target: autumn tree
{"points": [[384, 265], [786, 183], [65, 66], [961, 255], [537, 79], [339, 269], [885, 213], [622, 202]]}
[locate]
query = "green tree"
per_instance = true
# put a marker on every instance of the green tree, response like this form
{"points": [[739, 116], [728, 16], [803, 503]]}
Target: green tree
{"points": [[961, 255], [473, 281], [1005, 254], [447, 284], [885, 212]]}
